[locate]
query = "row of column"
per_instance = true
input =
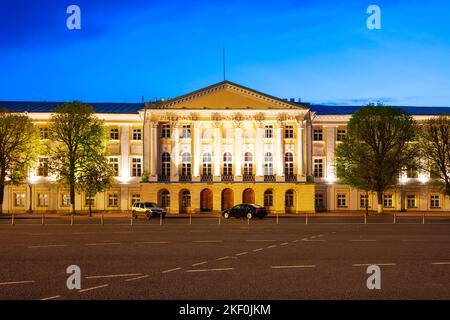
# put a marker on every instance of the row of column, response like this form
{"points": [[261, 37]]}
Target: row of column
{"points": [[151, 151]]}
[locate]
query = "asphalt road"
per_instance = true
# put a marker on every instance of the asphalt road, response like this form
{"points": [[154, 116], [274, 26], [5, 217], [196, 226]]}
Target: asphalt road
{"points": [[326, 259]]}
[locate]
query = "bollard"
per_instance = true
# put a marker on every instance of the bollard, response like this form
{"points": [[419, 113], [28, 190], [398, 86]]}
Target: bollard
{"points": [[219, 217], [395, 218], [160, 220], [277, 219], [71, 220], [423, 218], [306, 220], [101, 219], [131, 219], [12, 219], [365, 218], [42, 219], [190, 218]]}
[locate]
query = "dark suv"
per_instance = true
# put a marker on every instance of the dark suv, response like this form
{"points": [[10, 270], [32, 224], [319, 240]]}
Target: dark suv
{"points": [[245, 210]]}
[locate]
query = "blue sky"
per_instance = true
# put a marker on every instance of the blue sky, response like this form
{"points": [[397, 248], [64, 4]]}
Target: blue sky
{"points": [[320, 51]]}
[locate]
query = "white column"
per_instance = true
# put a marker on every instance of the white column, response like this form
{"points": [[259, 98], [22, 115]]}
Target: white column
{"points": [[175, 151], [124, 153], [217, 150], [279, 151], [300, 171], [196, 160], [154, 149], [238, 151], [330, 139], [146, 146], [259, 150], [308, 149]]}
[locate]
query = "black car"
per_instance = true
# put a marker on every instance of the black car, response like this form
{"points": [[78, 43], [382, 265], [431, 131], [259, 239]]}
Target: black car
{"points": [[245, 210]]}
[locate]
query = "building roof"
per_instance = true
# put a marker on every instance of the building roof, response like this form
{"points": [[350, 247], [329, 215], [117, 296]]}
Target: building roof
{"points": [[99, 107], [320, 109]]}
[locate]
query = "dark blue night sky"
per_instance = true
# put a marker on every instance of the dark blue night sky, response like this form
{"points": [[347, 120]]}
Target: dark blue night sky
{"points": [[320, 51]]}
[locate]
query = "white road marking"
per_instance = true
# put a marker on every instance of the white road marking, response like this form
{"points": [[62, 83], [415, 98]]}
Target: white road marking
{"points": [[284, 244], [207, 241], [362, 240], [48, 246], [51, 298], [370, 264], [313, 240], [261, 240], [171, 270], [222, 258], [272, 246], [259, 249], [115, 276], [289, 267], [15, 282], [242, 253], [152, 242], [414, 240], [199, 263], [93, 288], [441, 263], [138, 278], [209, 270], [103, 244]]}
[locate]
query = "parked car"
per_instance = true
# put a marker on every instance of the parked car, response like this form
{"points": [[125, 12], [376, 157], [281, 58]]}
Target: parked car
{"points": [[147, 209], [245, 210]]}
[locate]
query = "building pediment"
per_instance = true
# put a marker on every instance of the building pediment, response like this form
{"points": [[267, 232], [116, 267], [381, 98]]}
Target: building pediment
{"points": [[228, 95]]}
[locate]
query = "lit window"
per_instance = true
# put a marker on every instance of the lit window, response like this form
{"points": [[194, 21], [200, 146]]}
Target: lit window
{"points": [[248, 164], [113, 200], [268, 164], [135, 198], [89, 201], [435, 201], [136, 167], [65, 200], [165, 131], [412, 173], [341, 200], [411, 201], [318, 168], [289, 132], [114, 134], [19, 199], [364, 201], [165, 164], [42, 200], [186, 164], [114, 162], [289, 164], [268, 198], [341, 134], [186, 131], [137, 134], [387, 201], [227, 164], [207, 164], [318, 135], [268, 132], [186, 199]]}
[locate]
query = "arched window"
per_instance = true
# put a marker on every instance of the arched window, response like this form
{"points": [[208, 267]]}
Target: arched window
{"points": [[268, 164], [186, 199], [227, 164], [165, 164], [186, 164], [165, 199], [207, 164], [289, 199], [268, 198], [248, 164], [288, 164]]}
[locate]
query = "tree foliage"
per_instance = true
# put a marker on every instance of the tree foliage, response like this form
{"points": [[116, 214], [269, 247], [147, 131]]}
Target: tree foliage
{"points": [[378, 146], [434, 144], [77, 141], [18, 149]]}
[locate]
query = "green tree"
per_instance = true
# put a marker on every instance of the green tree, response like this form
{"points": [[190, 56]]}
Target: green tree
{"points": [[18, 149], [77, 136], [378, 146], [96, 176], [434, 145]]}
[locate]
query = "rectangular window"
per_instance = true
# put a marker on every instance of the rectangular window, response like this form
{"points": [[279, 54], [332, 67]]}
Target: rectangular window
{"points": [[364, 200], [42, 200], [43, 167], [114, 162], [113, 200], [387, 200], [135, 198], [341, 200], [319, 201], [341, 134], [186, 131], [289, 132], [165, 131], [412, 173], [89, 201], [435, 201], [19, 199], [411, 201], [43, 133], [318, 135], [318, 168], [136, 167], [137, 134], [114, 134], [268, 132], [65, 200]]}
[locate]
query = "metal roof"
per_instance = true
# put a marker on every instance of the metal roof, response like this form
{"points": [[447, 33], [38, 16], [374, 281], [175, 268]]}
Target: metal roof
{"points": [[320, 109]]}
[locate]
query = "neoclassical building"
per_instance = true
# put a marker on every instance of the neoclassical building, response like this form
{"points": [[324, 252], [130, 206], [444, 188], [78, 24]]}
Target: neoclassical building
{"points": [[216, 147]]}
